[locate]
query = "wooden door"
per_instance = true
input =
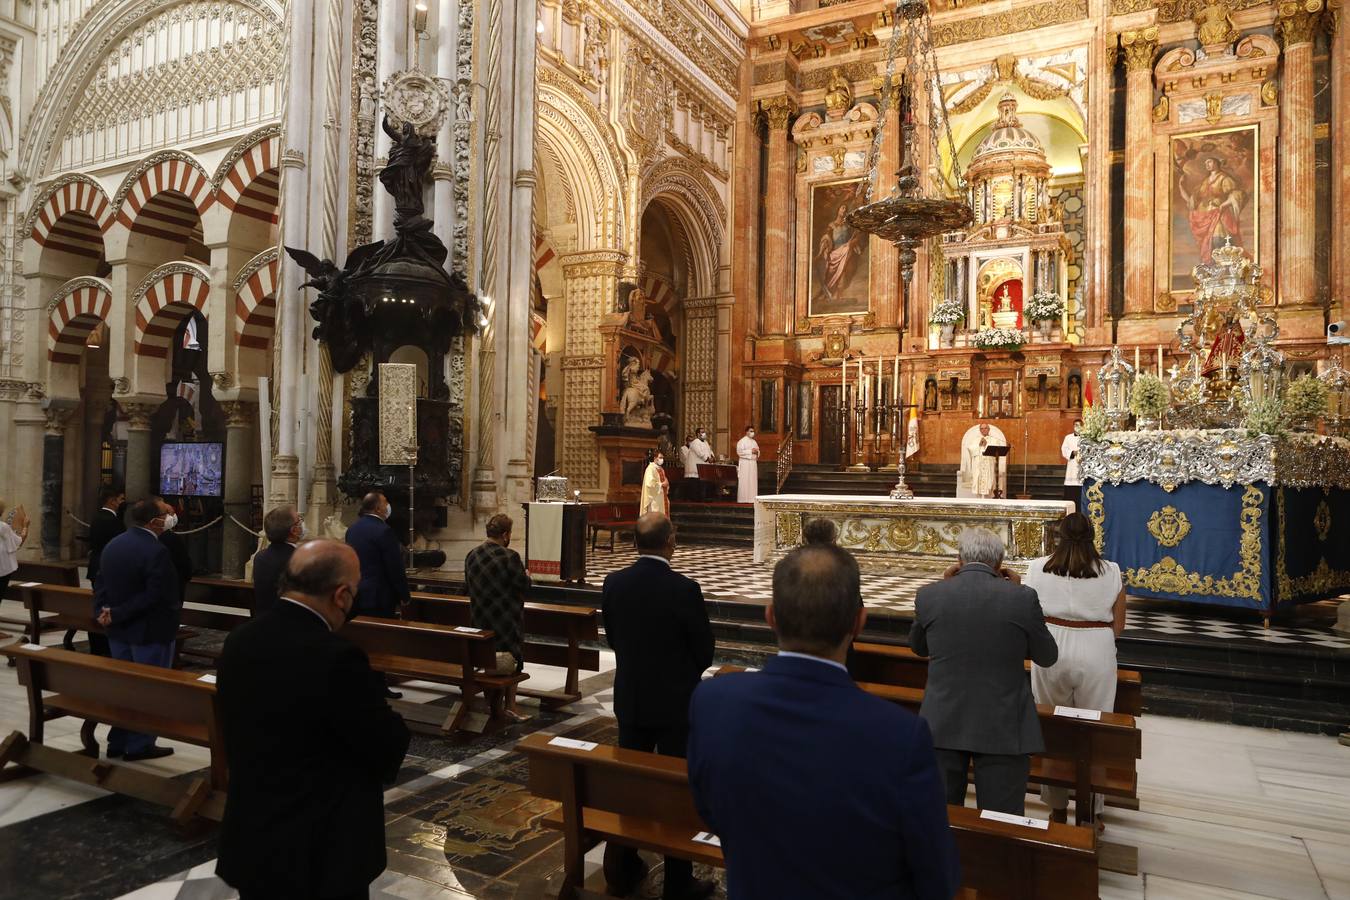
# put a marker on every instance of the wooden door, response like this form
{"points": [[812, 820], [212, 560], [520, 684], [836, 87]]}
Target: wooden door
{"points": [[832, 441]]}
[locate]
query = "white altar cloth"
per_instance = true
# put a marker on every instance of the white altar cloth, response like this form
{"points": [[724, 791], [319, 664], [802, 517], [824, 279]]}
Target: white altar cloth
{"points": [[886, 534]]}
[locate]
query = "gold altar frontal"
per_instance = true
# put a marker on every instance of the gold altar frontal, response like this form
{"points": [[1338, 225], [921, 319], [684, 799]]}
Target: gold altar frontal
{"points": [[921, 533]]}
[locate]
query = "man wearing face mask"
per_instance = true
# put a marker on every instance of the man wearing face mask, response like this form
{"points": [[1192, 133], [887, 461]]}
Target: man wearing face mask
{"points": [[178, 551], [285, 529], [310, 739], [139, 603], [384, 577], [747, 469], [700, 452]]}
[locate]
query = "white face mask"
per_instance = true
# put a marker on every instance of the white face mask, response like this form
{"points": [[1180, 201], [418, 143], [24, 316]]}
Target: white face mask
{"points": [[702, 436], [388, 510], [170, 522], [304, 532]]}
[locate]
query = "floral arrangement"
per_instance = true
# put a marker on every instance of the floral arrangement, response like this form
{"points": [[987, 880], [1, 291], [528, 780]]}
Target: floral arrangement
{"points": [[1305, 398], [1150, 396], [1094, 423], [1044, 305], [998, 339], [1264, 416], [948, 312]]}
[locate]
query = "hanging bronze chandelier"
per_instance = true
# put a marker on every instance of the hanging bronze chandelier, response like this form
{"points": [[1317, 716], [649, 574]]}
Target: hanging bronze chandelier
{"points": [[910, 214]]}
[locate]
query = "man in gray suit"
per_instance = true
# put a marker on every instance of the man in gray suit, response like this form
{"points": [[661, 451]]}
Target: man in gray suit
{"points": [[977, 625]]}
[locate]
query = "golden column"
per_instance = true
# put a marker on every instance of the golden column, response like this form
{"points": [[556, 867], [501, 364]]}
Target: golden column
{"points": [[1139, 47], [1297, 20], [776, 304]]}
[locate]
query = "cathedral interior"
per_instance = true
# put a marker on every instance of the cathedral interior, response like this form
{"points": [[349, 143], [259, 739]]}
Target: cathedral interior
{"points": [[268, 253]]}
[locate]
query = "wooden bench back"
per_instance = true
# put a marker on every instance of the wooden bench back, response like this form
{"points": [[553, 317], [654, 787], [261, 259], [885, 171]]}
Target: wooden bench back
{"points": [[48, 572], [997, 859], [157, 692], [73, 607], [422, 640], [889, 664], [570, 623], [230, 592]]}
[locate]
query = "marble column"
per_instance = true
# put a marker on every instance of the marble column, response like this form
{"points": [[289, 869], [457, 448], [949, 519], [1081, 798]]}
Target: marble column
{"points": [[885, 264], [1298, 223], [138, 450], [53, 479], [1096, 277], [238, 545], [590, 285], [1139, 47], [29, 422], [1340, 173], [777, 302]]}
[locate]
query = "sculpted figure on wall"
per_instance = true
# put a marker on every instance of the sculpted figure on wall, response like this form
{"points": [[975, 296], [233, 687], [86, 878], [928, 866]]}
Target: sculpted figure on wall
{"points": [[838, 96], [1214, 27], [637, 402]]}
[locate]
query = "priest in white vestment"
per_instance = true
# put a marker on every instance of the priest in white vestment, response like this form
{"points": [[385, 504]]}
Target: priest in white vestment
{"points": [[982, 470], [655, 488], [700, 451], [747, 468], [1073, 482]]}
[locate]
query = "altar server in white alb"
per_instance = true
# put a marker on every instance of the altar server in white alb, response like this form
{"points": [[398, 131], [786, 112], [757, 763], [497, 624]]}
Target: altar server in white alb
{"points": [[1073, 482], [700, 451], [655, 487], [747, 469]]}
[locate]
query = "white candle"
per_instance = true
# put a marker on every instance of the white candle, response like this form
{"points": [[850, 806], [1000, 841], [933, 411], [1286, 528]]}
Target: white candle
{"points": [[1160, 361], [881, 394], [1136, 359]]}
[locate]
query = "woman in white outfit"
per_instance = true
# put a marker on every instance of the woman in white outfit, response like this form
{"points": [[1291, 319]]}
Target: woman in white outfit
{"points": [[1083, 599]]}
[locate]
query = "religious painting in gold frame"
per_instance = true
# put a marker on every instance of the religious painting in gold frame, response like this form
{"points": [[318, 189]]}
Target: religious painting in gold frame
{"points": [[1215, 196], [840, 255]]}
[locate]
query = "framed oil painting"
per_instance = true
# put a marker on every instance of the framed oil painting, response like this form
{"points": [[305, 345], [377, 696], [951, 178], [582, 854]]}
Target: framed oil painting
{"points": [[1215, 186], [840, 261]]}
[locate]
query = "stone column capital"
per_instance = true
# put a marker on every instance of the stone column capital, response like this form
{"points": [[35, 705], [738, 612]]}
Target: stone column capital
{"points": [[592, 263], [1139, 46], [138, 415], [778, 111], [1297, 20], [238, 413], [58, 417]]}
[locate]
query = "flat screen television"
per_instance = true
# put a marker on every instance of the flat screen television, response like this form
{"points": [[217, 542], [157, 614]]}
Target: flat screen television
{"points": [[192, 469]]}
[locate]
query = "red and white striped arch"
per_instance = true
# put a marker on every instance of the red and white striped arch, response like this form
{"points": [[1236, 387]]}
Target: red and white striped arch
{"points": [[252, 185], [168, 299], [255, 304], [173, 173], [543, 252], [54, 225], [81, 304]]}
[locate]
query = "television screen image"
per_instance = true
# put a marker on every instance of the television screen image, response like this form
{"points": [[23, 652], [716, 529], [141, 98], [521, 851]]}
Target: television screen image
{"points": [[192, 470]]}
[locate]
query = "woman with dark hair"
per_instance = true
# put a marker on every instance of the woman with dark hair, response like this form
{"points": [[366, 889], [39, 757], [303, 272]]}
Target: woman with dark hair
{"points": [[1083, 599]]}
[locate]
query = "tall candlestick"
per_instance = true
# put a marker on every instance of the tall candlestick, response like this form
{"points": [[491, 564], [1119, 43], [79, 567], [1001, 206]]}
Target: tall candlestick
{"points": [[881, 394], [1160, 362], [895, 380]]}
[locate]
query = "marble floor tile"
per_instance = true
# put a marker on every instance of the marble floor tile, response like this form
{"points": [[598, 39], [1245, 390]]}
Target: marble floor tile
{"points": [[38, 795], [1332, 861], [1157, 887]]}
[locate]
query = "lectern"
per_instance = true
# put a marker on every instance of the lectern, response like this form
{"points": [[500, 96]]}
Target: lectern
{"points": [[999, 454]]}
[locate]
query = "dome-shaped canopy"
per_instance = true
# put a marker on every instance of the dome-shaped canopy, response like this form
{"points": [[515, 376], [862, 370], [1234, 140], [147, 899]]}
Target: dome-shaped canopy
{"points": [[1007, 135]]}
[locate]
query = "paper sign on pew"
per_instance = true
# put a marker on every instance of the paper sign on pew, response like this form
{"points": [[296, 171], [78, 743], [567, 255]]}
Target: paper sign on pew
{"points": [[465, 629], [1073, 712], [29, 584], [1043, 824], [707, 837], [208, 678], [32, 647], [572, 744]]}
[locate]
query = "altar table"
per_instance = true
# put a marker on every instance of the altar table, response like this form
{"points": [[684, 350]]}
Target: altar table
{"points": [[922, 533]]}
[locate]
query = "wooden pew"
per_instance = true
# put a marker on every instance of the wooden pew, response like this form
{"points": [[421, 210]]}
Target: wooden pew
{"points": [[570, 624], [437, 653], [164, 702], [643, 800], [234, 593], [43, 571], [1083, 754], [891, 664]]}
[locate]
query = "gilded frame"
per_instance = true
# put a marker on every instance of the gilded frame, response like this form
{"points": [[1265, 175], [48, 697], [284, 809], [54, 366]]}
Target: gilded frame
{"points": [[1250, 215]]}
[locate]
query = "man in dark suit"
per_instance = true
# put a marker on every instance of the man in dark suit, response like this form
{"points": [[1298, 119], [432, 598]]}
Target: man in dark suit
{"points": [[816, 788], [658, 627], [310, 740], [285, 529], [384, 576], [977, 626], [138, 606], [104, 526]]}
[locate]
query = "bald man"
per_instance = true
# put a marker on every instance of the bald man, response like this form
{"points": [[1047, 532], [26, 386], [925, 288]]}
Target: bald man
{"points": [[310, 738], [384, 576]]}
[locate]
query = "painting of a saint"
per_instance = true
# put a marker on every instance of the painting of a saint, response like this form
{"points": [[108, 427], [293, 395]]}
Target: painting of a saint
{"points": [[839, 253], [1213, 198]]}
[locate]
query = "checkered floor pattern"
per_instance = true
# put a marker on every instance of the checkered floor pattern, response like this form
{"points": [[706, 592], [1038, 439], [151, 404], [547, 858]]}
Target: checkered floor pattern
{"points": [[729, 574]]}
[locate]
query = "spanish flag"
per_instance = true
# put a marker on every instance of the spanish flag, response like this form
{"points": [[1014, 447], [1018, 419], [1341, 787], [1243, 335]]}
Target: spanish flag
{"points": [[1087, 391]]}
